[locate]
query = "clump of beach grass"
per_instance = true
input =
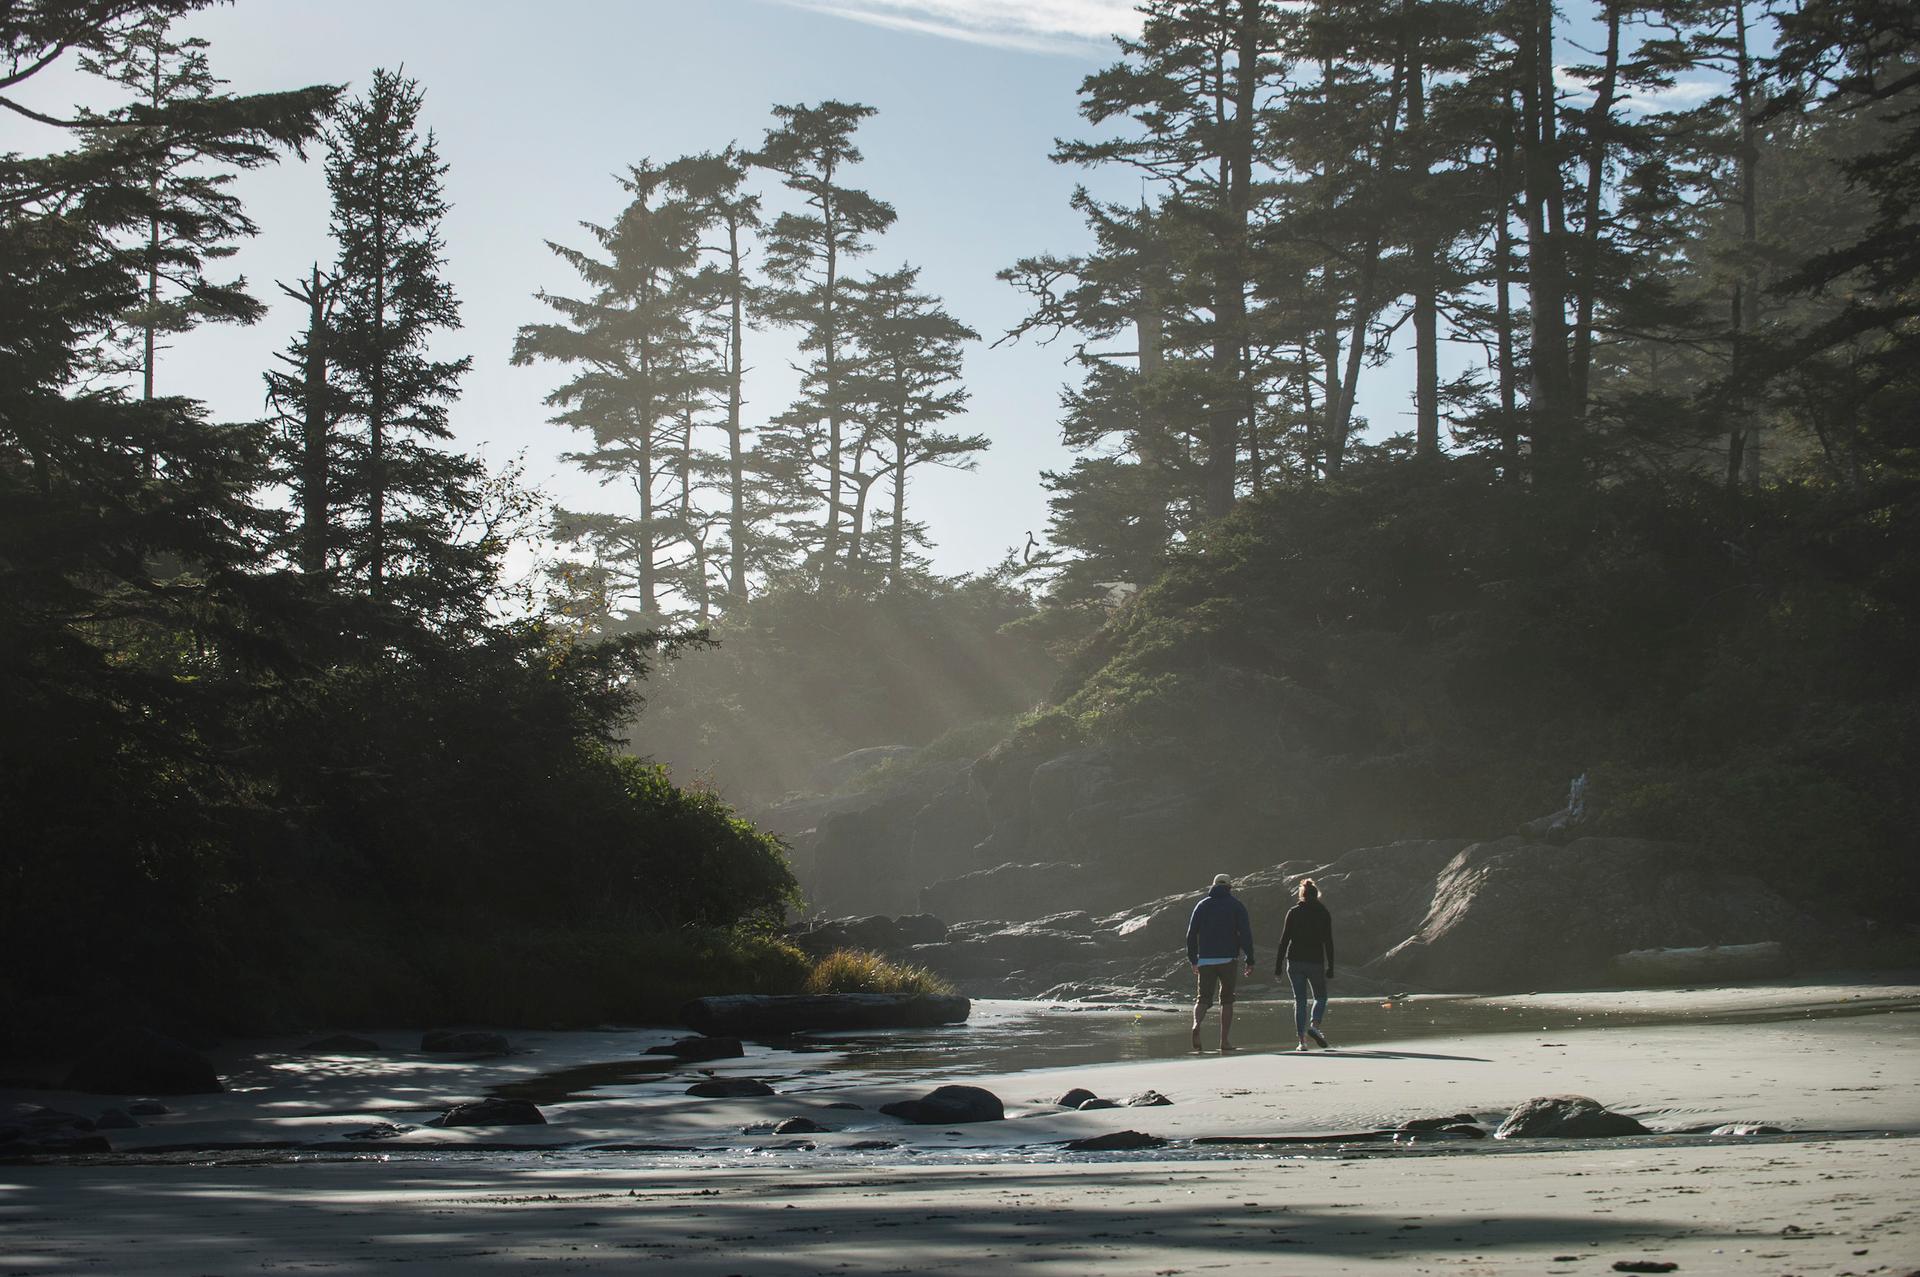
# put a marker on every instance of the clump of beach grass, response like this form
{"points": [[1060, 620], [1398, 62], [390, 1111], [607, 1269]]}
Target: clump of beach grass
{"points": [[859, 971]]}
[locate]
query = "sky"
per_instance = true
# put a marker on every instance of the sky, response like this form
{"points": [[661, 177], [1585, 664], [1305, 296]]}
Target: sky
{"points": [[537, 108]]}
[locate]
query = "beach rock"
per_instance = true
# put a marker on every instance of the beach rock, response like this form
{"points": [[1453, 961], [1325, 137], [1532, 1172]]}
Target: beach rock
{"points": [[493, 1112], [1093, 1102], [1644, 1266], [1747, 1128], [1512, 914], [148, 1108], [729, 1088], [116, 1120], [755, 1015], [1114, 1141], [442, 1041], [919, 928], [1436, 1123], [142, 1062], [949, 1106], [1467, 1129], [1075, 1098], [379, 1131], [1147, 1099], [341, 1044], [845, 1104], [1565, 1117], [870, 1146], [798, 1126], [693, 1050]]}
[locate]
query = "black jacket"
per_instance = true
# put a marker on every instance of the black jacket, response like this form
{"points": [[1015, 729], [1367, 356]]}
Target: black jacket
{"points": [[1307, 936]]}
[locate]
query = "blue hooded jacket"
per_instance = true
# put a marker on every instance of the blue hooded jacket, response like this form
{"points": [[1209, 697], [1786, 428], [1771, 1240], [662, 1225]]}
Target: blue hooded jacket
{"points": [[1219, 927]]}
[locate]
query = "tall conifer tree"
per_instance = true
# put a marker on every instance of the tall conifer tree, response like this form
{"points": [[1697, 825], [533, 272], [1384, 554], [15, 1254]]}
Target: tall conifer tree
{"points": [[388, 201]]}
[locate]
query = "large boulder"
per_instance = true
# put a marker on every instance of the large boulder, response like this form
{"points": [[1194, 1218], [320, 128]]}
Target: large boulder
{"points": [[493, 1112], [142, 1062], [778, 1015], [1514, 914], [696, 1050], [1567, 1117], [949, 1106]]}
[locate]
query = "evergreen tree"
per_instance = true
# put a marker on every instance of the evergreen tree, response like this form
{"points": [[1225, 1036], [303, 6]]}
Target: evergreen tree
{"points": [[907, 381], [713, 183], [808, 252], [307, 404], [386, 181], [642, 367], [195, 218]]}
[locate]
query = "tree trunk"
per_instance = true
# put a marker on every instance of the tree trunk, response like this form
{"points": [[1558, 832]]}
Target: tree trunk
{"points": [[1599, 122], [315, 453], [1743, 444], [1503, 304], [831, 367], [1550, 393], [1228, 409], [1426, 305], [377, 398], [736, 466]]}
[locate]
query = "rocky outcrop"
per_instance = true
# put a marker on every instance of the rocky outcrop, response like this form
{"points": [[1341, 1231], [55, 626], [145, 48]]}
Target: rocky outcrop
{"points": [[698, 1050], [770, 1015], [1115, 1141], [1017, 892], [730, 1088], [875, 933], [468, 1042], [1569, 1117], [142, 1062], [1514, 914], [949, 1106], [493, 1112]]}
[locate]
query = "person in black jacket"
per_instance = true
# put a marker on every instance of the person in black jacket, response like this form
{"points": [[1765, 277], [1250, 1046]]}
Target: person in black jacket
{"points": [[1306, 958], [1217, 934]]}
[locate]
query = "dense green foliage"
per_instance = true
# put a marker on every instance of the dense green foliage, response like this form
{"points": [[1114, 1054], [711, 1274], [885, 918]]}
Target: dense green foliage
{"points": [[237, 793], [1422, 652]]}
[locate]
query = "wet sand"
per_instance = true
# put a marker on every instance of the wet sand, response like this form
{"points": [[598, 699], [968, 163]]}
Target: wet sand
{"points": [[1006, 1196]]}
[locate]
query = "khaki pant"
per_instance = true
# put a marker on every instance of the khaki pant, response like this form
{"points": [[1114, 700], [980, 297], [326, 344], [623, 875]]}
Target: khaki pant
{"points": [[1224, 975]]}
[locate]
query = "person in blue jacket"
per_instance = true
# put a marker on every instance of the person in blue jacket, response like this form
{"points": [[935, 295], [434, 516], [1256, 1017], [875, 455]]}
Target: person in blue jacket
{"points": [[1218, 934]]}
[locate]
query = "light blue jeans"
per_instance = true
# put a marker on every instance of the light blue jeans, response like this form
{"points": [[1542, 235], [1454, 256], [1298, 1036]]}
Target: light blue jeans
{"points": [[1307, 981]]}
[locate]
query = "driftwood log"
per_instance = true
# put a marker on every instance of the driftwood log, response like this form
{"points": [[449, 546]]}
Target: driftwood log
{"points": [[764, 1015]]}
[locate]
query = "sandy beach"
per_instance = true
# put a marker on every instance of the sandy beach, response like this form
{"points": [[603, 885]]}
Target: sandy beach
{"points": [[287, 1178]]}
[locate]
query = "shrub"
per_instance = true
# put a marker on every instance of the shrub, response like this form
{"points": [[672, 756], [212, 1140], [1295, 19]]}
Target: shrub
{"points": [[857, 971]]}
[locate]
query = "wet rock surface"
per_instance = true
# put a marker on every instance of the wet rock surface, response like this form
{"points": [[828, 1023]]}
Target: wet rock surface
{"points": [[949, 1106], [729, 1088], [1115, 1141], [1565, 1117], [493, 1112]]}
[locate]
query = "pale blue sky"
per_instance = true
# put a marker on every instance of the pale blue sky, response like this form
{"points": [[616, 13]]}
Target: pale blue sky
{"points": [[536, 106]]}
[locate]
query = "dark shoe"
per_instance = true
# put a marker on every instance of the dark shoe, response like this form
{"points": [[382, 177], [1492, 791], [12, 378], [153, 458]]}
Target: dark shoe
{"points": [[1313, 1031]]}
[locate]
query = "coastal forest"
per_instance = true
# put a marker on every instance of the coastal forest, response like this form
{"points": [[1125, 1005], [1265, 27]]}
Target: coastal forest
{"points": [[291, 733]]}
